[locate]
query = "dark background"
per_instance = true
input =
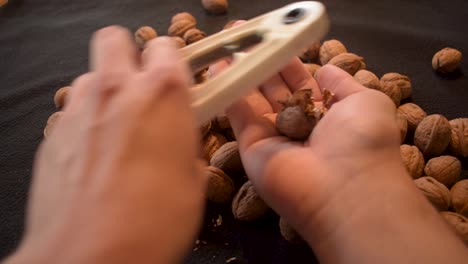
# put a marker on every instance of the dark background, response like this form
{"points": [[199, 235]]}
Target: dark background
{"points": [[44, 45]]}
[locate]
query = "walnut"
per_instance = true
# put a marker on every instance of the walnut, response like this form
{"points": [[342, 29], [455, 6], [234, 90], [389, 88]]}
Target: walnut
{"points": [[330, 49], [288, 232], [311, 54], [413, 113], [402, 124], [312, 68], [3, 2], [205, 128], [367, 79], [179, 27], [227, 158], [435, 192], [432, 135], [211, 143], [60, 97], [460, 197], [51, 121], [215, 6], [349, 62], [193, 35], [144, 34], [445, 169], [446, 60], [180, 42], [220, 187], [459, 224], [413, 160], [247, 204], [459, 139], [183, 16], [402, 82]]}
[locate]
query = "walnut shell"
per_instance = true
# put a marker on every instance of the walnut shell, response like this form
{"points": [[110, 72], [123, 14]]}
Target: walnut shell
{"points": [[179, 28], [311, 54], [459, 224], [445, 169], [460, 197], [211, 143], [247, 205], [402, 124], [51, 121], [349, 62], [3, 2], [227, 158], [413, 160], [180, 42], [183, 16], [293, 122], [220, 188], [193, 35], [435, 192], [413, 113], [432, 135], [312, 68], [144, 34], [330, 49], [446, 60], [367, 79], [288, 232], [392, 90], [401, 81], [459, 139], [215, 6], [61, 96]]}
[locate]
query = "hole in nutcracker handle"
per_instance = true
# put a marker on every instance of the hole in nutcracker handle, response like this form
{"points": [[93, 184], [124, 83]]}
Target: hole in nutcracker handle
{"points": [[294, 15]]}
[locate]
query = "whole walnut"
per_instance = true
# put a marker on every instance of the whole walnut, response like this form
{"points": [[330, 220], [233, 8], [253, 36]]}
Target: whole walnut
{"points": [[180, 42], [193, 35], [144, 34], [60, 97], [183, 16], [215, 6], [445, 169], [446, 60], [51, 121], [179, 27], [367, 79], [247, 205], [211, 143], [459, 138], [220, 188], [227, 158], [432, 136], [311, 55], [402, 124], [349, 62], [330, 49], [413, 113], [312, 68], [459, 224], [391, 89], [288, 232], [413, 160], [395, 79], [435, 192], [460, 197]]}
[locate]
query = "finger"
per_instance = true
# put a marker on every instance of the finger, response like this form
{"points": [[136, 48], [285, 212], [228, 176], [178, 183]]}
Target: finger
{"points": [[162, 62], [337, 81], [296, 76], [113, 50], [274, 91], [80, 91]]}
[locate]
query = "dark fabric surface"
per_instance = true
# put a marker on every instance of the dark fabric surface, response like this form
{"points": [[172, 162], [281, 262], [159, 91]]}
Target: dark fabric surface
{"points": [[44, 45]]}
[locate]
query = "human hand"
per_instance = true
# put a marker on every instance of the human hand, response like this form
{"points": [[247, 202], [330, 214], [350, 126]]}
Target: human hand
{"points": [[116, 179], [301, 180]]}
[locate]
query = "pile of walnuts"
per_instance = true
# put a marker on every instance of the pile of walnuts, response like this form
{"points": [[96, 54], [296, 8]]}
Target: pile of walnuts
{"points": [[430, 148]]}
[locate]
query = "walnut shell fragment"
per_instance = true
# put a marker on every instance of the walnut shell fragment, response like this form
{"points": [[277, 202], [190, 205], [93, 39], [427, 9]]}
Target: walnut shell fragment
{"points": [[247, 205], [437, 193]]}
